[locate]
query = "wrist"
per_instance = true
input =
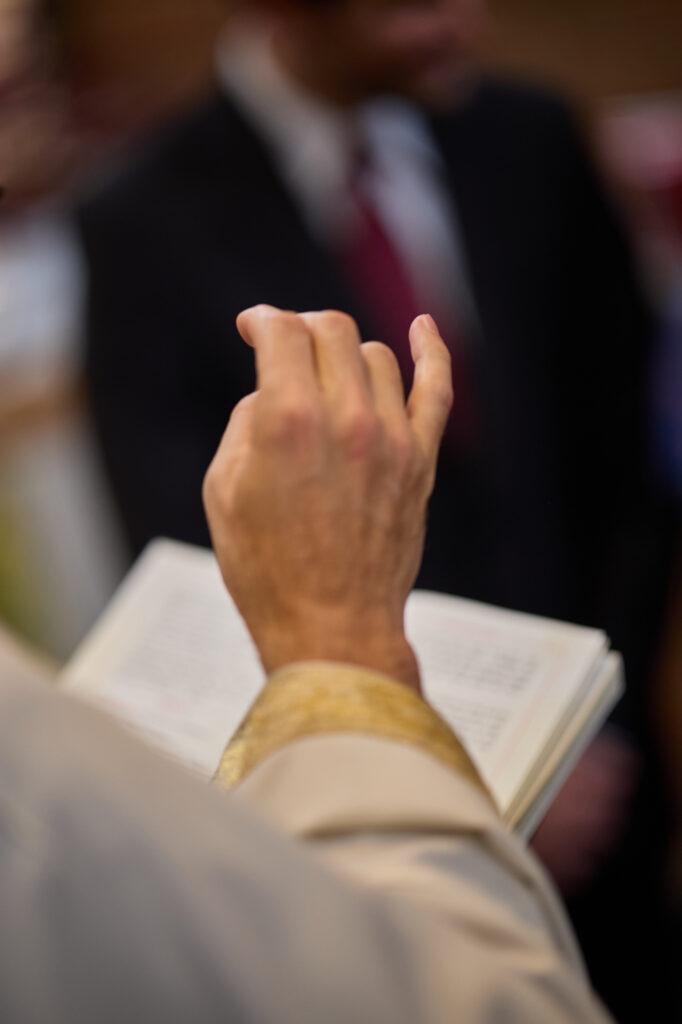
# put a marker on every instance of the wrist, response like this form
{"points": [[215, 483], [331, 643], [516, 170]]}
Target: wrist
{"points": [[385, 651]]}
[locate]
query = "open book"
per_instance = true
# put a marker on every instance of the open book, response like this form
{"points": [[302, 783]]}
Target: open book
{"points": [[172, 658]]}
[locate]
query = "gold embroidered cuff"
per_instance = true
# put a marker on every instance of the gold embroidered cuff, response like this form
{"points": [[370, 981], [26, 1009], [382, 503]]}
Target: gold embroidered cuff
{"points": [[313, 698]]}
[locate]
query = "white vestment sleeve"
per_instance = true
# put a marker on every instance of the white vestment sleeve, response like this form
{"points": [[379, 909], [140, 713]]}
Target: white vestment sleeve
{"points": [[130, 891], [394, 820]]}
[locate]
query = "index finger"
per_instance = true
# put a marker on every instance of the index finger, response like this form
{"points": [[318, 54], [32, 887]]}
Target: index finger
{"points": [[430, 400], [283, 345]]}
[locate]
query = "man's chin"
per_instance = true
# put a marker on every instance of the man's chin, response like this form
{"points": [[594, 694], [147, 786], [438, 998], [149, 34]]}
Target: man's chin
{"points": [[439, 89]]}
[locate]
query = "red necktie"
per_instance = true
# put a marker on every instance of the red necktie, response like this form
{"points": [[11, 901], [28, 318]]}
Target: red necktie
{"points": [[380, 279]]}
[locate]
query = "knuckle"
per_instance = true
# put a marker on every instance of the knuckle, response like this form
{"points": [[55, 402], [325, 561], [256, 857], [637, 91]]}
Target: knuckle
{"points": [[358, 432], [270, 312], [291, 421], [380, 351], [335, 322], [382, 360], [282, 319]]}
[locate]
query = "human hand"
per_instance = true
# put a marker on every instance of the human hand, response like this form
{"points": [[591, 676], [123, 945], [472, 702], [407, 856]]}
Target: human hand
{"points": [[316, 498], [589, 813]]}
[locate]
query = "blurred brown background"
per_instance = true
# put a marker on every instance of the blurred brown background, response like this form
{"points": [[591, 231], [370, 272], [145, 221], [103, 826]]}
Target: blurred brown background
{"points": [[148, 55]]}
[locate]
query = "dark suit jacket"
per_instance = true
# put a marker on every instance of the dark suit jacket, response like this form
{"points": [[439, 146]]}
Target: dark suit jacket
{"points": [[550, 515]]}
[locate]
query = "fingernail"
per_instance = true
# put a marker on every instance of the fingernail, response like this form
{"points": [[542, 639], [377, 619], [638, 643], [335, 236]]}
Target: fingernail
{"points": [[430, 322]]}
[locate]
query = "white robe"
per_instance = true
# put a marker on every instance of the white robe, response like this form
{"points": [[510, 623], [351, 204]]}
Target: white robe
{"points": [[347, 879]]}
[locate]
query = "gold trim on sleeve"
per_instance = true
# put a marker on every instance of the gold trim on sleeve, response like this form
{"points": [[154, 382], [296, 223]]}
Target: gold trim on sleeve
{"points": [[314, 698]]}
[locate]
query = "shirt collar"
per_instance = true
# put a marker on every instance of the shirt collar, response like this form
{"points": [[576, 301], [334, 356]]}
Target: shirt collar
{"points": [[312, 140]]}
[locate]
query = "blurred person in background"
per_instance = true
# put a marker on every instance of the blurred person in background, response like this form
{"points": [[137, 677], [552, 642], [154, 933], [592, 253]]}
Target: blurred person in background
{"points": [[643, 139], [59, 556], [641, 142], [352, 157], [40, 274], [38, 308], [35, 142]]}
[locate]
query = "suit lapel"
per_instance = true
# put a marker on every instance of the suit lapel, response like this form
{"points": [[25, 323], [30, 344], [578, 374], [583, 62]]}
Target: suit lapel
{"points": [[272, 254]]}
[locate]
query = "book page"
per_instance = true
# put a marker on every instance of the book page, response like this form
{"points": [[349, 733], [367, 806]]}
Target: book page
{"points": [[530, 804], [502, 679], [172, 656]]}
